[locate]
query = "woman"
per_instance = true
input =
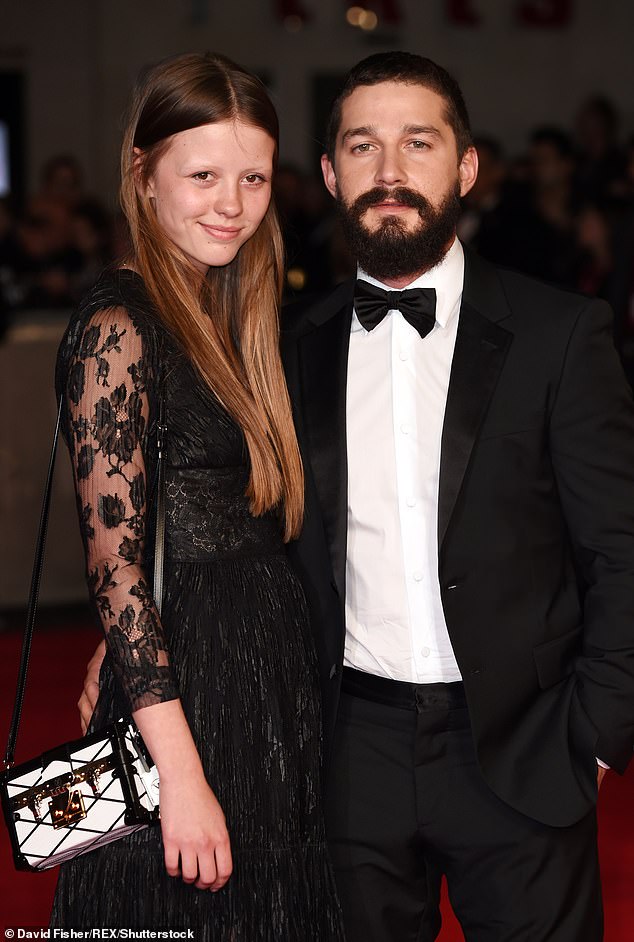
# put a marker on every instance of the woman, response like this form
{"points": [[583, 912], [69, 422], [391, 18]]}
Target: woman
{"points": [[223, 687]]}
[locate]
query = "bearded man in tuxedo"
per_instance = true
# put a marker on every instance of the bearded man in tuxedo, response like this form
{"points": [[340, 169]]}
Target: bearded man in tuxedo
{"points": [[468, 550], [468, 546]]}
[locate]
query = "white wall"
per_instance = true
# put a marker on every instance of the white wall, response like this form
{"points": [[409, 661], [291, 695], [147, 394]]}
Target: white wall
{"points": [[81, 58]]}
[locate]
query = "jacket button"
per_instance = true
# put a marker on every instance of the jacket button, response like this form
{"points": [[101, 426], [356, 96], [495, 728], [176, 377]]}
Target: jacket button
{"points": [[333, 586], [334, 670]]}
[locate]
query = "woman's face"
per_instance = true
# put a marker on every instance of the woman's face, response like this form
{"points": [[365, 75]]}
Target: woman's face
{"points": [[212, 188]]}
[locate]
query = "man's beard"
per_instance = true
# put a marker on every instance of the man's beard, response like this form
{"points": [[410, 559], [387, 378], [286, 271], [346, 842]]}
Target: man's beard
{"points": [[391, 250]]}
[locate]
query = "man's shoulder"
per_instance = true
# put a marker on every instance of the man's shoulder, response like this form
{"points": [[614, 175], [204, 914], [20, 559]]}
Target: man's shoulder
{"points": [[302, 314], [519, 286], [528, 299], [295, 311]]}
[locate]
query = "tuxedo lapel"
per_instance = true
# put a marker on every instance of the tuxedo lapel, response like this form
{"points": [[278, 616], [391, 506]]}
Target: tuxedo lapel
{"points": [[480, 351], [323, 364]]}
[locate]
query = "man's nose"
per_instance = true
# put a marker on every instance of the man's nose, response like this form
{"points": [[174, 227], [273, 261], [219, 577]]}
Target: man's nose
{"points": [[390, 169]]}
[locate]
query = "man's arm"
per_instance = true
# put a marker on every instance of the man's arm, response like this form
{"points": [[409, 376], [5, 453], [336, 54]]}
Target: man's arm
{"points": [[592, 448]]}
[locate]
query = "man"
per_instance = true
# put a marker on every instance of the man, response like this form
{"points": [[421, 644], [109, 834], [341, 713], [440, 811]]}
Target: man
{"points": [[477, 524], [468, 548]]}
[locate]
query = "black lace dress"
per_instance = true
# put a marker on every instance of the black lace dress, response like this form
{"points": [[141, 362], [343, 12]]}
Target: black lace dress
{"points": [[233, 642]]}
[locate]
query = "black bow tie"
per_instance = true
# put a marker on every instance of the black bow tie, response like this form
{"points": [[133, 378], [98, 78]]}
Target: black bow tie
{"points": [[417, 305]]}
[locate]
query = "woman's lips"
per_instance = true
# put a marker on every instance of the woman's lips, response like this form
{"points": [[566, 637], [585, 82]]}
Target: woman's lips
{"points": [[222, 233]]}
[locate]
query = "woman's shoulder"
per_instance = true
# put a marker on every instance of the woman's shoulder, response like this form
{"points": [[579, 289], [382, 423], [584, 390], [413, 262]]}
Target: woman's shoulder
{"points": [[119, 289], [116, 314], [119, 295]]}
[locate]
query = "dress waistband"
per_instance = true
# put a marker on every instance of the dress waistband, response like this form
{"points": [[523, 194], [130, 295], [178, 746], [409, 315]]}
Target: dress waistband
{"points": [[207, 517], [401, 693]]}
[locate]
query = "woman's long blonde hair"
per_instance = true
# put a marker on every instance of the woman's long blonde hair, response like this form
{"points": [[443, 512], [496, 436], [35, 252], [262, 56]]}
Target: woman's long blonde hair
{"points": [[227, 322]]}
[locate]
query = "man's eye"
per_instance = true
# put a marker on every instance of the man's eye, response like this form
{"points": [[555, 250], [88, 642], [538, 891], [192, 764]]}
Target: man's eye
{"points": [[419, 145], [362, 148]]}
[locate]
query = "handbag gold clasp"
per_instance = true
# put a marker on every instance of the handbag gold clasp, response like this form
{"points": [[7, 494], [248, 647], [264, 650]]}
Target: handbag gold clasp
{"points": [[66, 808]]}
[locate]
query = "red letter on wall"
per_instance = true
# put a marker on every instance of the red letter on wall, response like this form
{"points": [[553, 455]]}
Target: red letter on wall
{"points": [[549, 13], [462, 13]]}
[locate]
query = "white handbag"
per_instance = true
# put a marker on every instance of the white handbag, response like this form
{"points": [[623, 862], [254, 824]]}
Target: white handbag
{"points": [[80, 796], [91, 791]]}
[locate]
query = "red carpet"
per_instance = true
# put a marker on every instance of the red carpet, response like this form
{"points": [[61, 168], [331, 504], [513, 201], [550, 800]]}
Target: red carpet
{"points": [[60, 653]]}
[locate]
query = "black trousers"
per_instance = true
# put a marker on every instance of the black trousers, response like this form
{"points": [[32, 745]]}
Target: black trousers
{"points": [[407, 803]]}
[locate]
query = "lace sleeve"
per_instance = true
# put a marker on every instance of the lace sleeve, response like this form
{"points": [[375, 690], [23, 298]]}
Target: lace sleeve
{"points": [[107, 411]]}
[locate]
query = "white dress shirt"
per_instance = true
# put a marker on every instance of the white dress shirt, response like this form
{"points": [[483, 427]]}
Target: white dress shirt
{"points": [[396, 398]]}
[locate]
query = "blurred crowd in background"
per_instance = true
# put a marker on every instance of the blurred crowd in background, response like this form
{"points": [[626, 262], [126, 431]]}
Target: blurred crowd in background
{"points": [[562, 211]]}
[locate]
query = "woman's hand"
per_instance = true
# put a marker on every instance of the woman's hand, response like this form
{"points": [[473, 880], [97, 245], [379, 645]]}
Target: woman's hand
{"points": [[193, 825], [89, 695], [195, 836]]}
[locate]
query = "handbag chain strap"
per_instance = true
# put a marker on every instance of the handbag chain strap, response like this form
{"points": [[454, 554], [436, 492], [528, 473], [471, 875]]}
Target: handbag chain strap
{"points": [[38, 563]]}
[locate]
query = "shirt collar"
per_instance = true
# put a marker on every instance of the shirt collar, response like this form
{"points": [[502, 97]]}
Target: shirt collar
{"points": [[447, 277]]}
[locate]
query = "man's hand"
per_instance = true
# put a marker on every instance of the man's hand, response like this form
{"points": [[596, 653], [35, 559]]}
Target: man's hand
{"points": [[87, 702], [600, 775]]}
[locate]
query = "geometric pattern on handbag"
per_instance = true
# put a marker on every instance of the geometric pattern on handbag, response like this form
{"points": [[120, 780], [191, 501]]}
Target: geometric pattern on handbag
{"points": [[80, 796], [94, 790]]}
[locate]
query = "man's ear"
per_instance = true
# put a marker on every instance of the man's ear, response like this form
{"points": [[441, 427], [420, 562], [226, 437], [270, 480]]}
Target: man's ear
{"points": [[468, 170], [330, 178]]}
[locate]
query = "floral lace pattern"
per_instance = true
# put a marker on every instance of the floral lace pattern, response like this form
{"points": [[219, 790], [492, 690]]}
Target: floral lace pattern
{"points": [[207, 517], [104, 378]]}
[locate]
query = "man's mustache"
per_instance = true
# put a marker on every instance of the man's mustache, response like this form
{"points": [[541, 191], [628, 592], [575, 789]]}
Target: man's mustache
{"points": [[380, 194]]}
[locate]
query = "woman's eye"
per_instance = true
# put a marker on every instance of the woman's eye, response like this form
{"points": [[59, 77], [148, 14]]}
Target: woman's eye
{"points": [[254, 178], [203, 176]]}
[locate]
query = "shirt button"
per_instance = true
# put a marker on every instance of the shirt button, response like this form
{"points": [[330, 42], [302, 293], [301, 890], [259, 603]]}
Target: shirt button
{"points": [[425, 651], [418, 576], [405, 428], [411, 501], [403, 355]]}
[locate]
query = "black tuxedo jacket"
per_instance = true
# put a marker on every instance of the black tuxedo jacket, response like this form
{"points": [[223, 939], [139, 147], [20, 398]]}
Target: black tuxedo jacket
{"points": [[535, 528]]}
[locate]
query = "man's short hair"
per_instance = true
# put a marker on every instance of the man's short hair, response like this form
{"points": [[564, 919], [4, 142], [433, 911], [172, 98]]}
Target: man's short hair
{"points": [[409, 69]]}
